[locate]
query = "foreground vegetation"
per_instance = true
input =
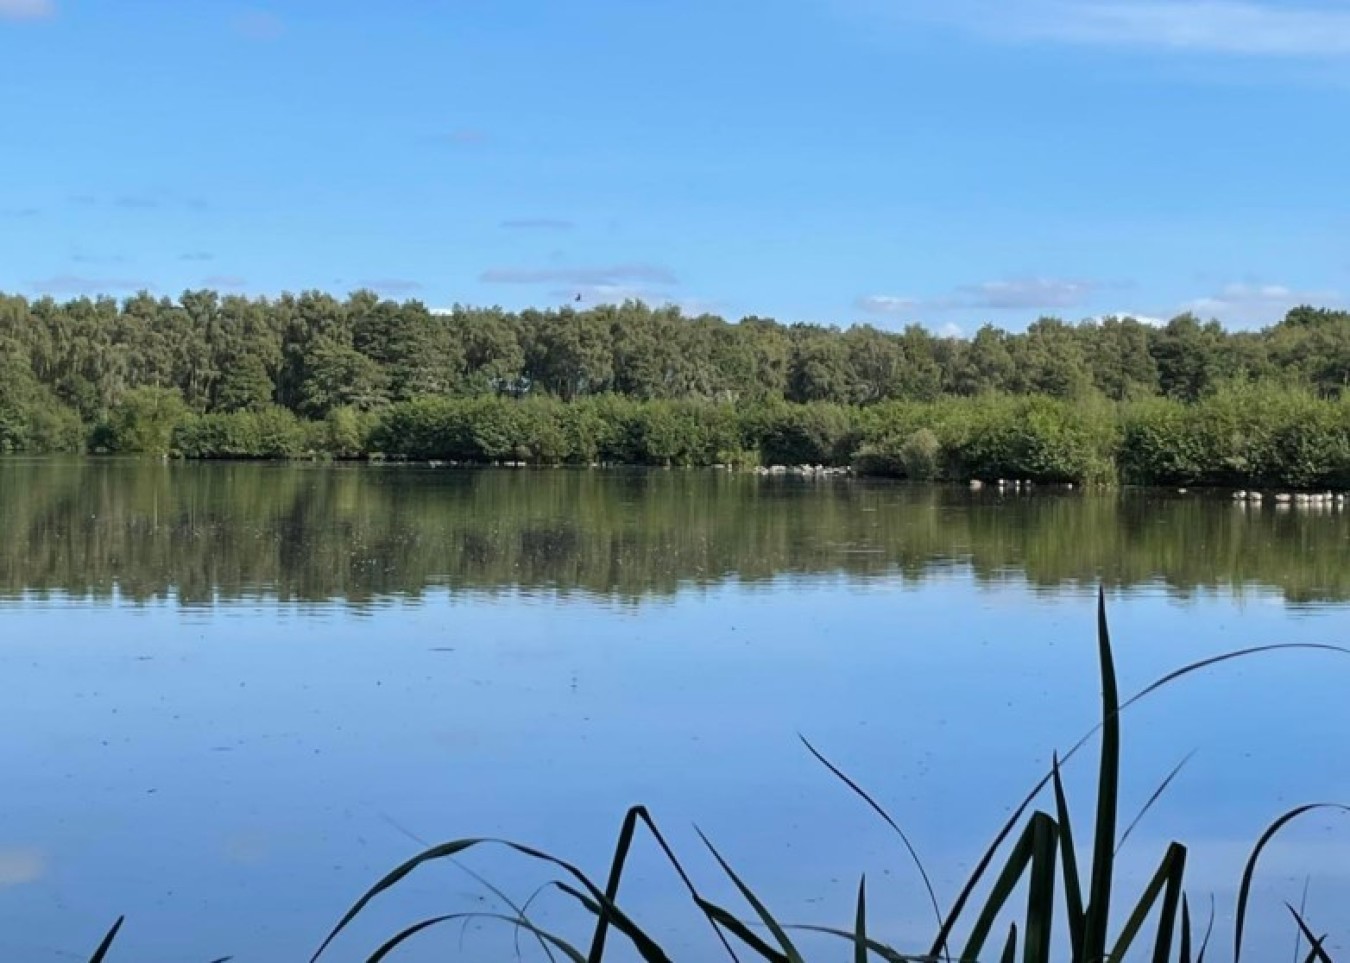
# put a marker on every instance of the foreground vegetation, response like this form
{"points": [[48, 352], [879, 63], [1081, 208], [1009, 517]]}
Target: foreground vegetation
{"points": [[1102, 402], [1039, 892]]}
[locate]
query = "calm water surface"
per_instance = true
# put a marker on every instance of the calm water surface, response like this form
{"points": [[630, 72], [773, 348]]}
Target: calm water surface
{"points": [[234, 695]]}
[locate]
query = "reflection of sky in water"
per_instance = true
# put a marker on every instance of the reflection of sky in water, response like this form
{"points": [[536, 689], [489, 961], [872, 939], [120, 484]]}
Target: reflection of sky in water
{"points": [[232, 778]]}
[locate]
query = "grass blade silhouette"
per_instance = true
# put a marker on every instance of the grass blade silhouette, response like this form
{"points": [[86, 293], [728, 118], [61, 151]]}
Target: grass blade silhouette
{"points": [[1316, 953], [1166, 882], [101, 953], [1108, 792], [860, 924], [1041, 891], [1073, 887], [1157, 794], [773, 926], [1249, 871], [398, 939], [1010, 947], [880, 811]]}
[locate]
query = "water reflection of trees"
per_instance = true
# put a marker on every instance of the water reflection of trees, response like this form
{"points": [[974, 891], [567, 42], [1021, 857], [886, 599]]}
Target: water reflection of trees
{"points": [[296, 532]]}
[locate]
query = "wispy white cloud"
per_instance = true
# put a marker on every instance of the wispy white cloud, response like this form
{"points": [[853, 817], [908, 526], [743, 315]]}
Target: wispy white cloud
{"points": [[20, 866], [1024, 294], [887, 304], [259, 25], [1260, 28], [615, 276], [1017, 294], [79, 284], [1151, 320], [537, 224], [1246, 303], [391, 285], [15, 213], [148, 201], [196, 256], [224, 281], [27, 9]]}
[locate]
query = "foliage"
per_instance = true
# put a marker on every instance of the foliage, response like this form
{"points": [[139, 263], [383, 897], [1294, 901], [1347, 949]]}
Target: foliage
{"points": [[144, 421], [269, 433], [1101, 401]]}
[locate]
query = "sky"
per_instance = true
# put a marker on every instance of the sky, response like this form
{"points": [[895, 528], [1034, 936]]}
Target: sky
{"points": [[839, 161]]}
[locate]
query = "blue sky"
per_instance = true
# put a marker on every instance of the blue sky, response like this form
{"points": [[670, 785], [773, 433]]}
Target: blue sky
{"points": [[813, 160]]}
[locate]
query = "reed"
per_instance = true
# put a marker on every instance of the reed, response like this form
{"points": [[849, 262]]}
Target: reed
{"points": [[1065, 880]]}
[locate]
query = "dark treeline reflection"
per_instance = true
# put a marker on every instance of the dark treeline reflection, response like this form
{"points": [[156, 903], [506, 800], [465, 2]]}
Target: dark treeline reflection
{"points": [[203, 532]]}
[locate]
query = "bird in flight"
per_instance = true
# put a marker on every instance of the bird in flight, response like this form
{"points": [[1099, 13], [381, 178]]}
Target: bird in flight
{"points": [[577, 298]]}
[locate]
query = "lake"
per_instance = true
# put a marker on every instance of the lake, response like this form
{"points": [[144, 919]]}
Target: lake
{"points": [[237, 694]]}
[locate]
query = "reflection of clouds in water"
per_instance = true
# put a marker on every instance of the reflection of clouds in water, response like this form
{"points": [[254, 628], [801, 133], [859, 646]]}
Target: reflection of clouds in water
{"points": [[20, 866], [246, 848]]}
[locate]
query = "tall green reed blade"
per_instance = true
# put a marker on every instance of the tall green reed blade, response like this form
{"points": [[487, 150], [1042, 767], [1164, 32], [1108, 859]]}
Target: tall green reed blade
{"points": [[646, 947], [1010, 947], [481, 880], [860, 924], [1019, 860], [1249, 871], [404, 935], [639, 814], [1209, 931], [1041, 891], [771, 924], [1184, 953], [1073, 887], [1108, 790], [880, 811], [1302, 911], [1316, 954], [616, 867], [888, 953], [958, 907], [101, 953], [1166, 882], [1153, 799]]}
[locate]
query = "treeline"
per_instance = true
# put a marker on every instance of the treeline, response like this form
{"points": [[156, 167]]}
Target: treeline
{"points": [[209, 376], [207, 533], [1241, 435]]}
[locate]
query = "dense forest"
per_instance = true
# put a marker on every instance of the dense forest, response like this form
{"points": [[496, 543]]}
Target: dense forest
{"points": [[1106, 400]]}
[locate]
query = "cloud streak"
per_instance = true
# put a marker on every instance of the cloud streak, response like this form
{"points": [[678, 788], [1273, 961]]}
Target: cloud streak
{"points": [[1017, 294], [1024, 294], [1246, 304], [259, 26], [616, 276], [224, 281], [537, 224], [20, 866], [79, 284], [887, 304], [391, 285], [1252, 28], [27, 9]]}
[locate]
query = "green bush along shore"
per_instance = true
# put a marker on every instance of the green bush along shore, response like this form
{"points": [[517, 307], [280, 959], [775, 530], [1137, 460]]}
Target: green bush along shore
{"points": [[1103, 402]]}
